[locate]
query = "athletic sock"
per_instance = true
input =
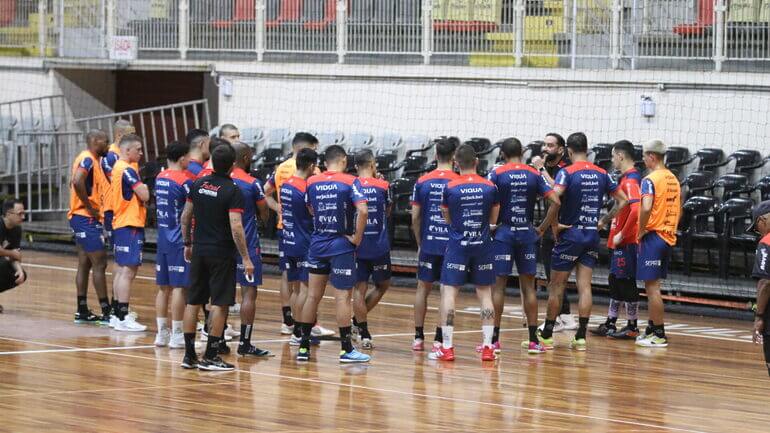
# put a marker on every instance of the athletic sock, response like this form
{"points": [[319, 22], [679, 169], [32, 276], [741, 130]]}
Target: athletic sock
{"points": [[162, 323], [83, 305], [176, 326], [548, 328], [533, 333], [355, 322], [632, 310], [104, 304], [582, 325], [632, 324], [246, 334], [611, 321], [212, 347], [345, 342], [189, 344], [205, 320], [287, 319], [114, 306], [363, 330], [496, 335], [612, 312], [446, 333], [650, 327], [122, 311], [439, 335], [659, 331], [487, 331], [304, 335], [419, 332], [297, 332]]}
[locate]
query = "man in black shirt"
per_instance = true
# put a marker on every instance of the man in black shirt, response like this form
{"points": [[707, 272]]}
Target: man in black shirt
{"points": [[11, 272], [217, 204], [761, 334]]}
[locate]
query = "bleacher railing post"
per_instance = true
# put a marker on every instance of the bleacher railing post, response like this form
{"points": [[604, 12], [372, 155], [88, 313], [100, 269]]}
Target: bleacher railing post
{"points": [[720, 8], [184, 27], [519, 11], [427, 30], [342, 30], [42, 10], [573, 42], [260, 31], [615, 38]]}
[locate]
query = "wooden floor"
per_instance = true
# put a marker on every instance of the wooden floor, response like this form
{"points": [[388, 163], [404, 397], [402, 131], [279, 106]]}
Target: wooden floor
{"points": [[57, 376]]}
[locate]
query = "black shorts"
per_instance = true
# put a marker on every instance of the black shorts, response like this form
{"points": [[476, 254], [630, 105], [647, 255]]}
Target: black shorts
{"points": [[212, 278], [8, 275]]}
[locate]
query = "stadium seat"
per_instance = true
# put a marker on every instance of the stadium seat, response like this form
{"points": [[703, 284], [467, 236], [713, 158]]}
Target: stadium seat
{"points": [[710, 159], [762, 189], [415, 144], [534, 148], [487, 154], [731, 185], [254, 137], [697, 183], [275, 149], [678, 160], [390, 149], [356, 142], [699, 224], [736, 216], [601, 155]]}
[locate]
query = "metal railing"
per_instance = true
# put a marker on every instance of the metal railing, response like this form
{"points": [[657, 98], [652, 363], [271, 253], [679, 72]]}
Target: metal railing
{"points": [[550, 33]]}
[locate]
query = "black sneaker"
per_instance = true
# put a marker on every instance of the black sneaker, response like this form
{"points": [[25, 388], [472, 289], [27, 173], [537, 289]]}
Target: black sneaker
{"points": [[224, 349], [625, 333], [215, 364], [190, 362], [604, 329], [250, 350], [87, 318]]}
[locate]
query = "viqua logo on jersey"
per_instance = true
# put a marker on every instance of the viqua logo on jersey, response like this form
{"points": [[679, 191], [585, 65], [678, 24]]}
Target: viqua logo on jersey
{"points": [[589, 176], [471, 190], [455, 266], [346, 272], [330, 187]]}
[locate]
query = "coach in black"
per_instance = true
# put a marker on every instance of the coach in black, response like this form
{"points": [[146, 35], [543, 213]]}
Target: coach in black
{"points": [[11, 272], [761, 224], [216, 203]]}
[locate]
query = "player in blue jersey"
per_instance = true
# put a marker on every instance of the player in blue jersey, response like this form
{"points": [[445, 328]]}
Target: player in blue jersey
{"points": [[334, 199], [198, 140], [172, 272], [254, 203], [431, 234], [471, 208], [297, 224], [373, 255], [516, 239], [581, 187]]}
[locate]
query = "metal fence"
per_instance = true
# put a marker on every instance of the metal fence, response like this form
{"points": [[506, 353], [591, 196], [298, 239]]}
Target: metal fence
{"points": [[548, 33]]}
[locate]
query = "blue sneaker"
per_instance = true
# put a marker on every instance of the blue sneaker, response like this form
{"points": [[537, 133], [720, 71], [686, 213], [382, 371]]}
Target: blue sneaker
{"points": [[303, 354], [353, 356]]}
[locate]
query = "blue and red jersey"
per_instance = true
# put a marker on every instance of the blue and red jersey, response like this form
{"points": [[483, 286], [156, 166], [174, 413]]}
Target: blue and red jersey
{"points": [[428, 193], [627, 220], [194, 168], [583, 187], [297, 220], [332, 198], [518, 188], [376, 242], [469, 200], [252, 196], [172, 187]]}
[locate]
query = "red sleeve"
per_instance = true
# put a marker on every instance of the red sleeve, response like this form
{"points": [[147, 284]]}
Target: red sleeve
{"points": [[236, 210], [632, 222]]}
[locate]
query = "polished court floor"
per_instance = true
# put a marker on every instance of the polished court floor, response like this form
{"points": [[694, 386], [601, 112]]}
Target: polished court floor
{"points": [[58, 376]]}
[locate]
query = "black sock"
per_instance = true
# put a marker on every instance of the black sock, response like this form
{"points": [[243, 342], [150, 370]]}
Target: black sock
{"points": [[533, 333], [122, 311], [419, 332], [306, 329], [189, 344], [347, 346], [287, 319], [114, 306], [212, 347], [496, 335], [355, 322], [659, 331], [632, 324], [650, 327], [582, 325], [297, 332], [611, 321], [246, 335], [364, 330], [439, 336], [548, 328], [104, 303], [83, 305]]}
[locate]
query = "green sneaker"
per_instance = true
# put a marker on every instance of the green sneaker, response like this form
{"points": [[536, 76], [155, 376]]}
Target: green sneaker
{"points": [[546, 342], [578, 344], [652, 341]]}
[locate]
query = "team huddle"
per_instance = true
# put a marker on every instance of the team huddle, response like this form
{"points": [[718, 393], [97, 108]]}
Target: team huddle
{"points": [[333, 228]]}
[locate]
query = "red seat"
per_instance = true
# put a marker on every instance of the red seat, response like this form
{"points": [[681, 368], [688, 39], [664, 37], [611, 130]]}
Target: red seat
{"points": [[705, 20]]}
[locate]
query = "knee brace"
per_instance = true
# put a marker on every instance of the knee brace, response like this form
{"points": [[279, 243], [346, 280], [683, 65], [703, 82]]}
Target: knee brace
{"points": [[628, 290]]}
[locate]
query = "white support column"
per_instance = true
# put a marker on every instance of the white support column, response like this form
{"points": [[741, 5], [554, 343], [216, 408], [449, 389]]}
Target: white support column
{"points": [[60, 16], [109, 25], [183, 28], [260, 30], [42, 28], [342, 30], [427, 30], [720, 9], [519, 11], [615, 34], [573, 42]]}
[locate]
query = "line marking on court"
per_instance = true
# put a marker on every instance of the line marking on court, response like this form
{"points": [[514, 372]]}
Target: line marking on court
{"points": [[93, 349], [113, 389], [392, 391], [686, 330]]}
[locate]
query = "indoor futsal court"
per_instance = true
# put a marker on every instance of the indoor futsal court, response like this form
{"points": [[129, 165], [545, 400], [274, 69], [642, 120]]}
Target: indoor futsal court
{"points": [[57, 376]]}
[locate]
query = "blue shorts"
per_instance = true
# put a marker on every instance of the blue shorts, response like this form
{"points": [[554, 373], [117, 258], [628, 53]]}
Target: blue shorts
{"points": [[294, 267], [575, 246], [463, 266], [378, 269], [108, 214], [623, 262], [429, 267], [523, 253], [88, 233], [171, 269], [256, 260], [341, 269], [128, 242], [654, 255]]}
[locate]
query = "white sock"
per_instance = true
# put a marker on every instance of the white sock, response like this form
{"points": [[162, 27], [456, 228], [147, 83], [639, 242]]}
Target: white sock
{"points": [[162, 322], [487, 331], [446, 332], [176, 326]]}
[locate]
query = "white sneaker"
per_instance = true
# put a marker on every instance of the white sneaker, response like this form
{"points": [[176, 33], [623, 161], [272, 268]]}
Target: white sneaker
{"points": [[176, 341], [286, 329], [205, 336], [163, 337], [568, 322], [367, 343], [294, 340], [231, 332], [235, 309], [557, 327], [129, 325], [134, 315], [320, 331], [355, 333], [113, 320]]}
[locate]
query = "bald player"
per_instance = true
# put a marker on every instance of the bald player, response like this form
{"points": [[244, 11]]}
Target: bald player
{"points": [[229, 133], [198, 140]]}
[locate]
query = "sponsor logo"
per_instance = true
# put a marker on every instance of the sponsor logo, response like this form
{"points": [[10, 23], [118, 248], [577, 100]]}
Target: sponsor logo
{"points": [[763, 260], [503, 257], [475, 190], [652, 263], [323, 219], [346, 272], [455, 266], [426, 265], [485, 267], [530, 256], [331, 187], [177, 269], [120, 249], [567, 257]]}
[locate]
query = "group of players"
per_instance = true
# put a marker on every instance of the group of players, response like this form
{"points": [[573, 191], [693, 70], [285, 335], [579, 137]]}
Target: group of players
{"points": [[333, 229]]}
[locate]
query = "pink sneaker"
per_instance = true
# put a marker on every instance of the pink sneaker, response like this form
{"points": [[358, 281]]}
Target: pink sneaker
{"points": [[495, 346], [535, 348], [418, 345], [436, 346]]}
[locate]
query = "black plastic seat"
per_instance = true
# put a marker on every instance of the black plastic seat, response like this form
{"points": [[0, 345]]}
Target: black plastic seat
{"points": [[401, 192], [709, 159], [602, 155], [533, 149], [699, 223], [763, 187], [731, 185], [697, 183], [736, 216], [677, 159]]}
